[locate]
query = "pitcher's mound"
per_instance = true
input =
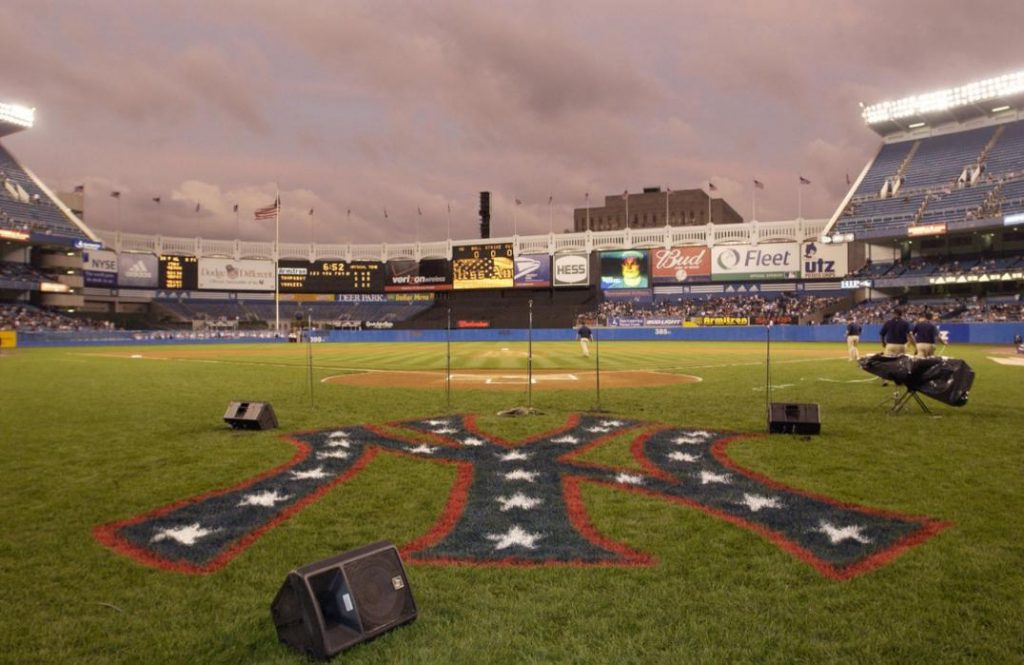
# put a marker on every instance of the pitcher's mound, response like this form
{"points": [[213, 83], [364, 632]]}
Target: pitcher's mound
{"points": [[485, 379]]}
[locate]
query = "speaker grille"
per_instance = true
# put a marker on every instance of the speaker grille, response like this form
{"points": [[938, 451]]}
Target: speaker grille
{"points": [[378, 586]]}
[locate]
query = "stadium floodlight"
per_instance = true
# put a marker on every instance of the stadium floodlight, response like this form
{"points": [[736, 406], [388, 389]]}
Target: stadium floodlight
{"points": [[943, 100], [1000, 109], [15, 114], [915, 125]]}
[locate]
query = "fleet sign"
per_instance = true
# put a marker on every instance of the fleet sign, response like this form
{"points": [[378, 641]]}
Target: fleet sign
{"points": [[750, 262]]}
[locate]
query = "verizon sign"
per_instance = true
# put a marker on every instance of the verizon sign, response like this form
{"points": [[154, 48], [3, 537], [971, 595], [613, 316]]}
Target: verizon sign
{"points": [[680, 264], [570, 270]]}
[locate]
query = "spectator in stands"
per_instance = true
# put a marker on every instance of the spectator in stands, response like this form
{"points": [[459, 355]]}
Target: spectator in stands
{"points": [[853, 330], [924, 335], [895, 334]]}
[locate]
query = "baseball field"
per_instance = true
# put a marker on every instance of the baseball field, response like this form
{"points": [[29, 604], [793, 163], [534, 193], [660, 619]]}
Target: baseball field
{"points": [[649, 520]]}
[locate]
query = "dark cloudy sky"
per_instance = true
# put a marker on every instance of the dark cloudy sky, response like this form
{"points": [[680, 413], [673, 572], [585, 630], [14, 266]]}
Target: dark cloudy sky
{"points": [[375, 105]]}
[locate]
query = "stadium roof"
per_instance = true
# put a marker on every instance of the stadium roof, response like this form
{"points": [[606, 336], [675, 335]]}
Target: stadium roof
{"points": [[14, 118], [996, 98]]}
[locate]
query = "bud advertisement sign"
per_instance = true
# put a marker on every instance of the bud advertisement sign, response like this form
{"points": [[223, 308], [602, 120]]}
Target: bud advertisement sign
{"points": [[749, 262], [231, 275], [138, 270], [819, 261], [571, 270], [680, 264], [99, 268], [533, 271]]}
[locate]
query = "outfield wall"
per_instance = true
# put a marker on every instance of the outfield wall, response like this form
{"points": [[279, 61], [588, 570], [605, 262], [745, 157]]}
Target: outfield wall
{"points": [[959, 333]]}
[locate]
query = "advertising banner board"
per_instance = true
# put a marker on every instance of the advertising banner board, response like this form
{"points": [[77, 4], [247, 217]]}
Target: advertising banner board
{"points": [[754, 262]]}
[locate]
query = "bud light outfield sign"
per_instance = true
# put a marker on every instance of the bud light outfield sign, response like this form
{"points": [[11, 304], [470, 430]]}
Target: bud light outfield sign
{"points": [[750, 262], [681, 264]]}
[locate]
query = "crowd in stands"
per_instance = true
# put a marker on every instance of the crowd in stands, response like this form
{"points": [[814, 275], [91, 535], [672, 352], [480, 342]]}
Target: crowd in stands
{"points": [[795, 307], [20, 272], [28, 318], [941, 266], [977, 310]]}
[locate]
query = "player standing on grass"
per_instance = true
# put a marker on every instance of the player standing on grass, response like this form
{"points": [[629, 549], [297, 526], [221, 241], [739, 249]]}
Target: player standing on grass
{"points": [[853, 330], [895, 334], [925, 334], [584, 335]]}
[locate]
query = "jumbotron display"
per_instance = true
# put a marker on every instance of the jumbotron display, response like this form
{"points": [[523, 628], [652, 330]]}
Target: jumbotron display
{"points": [[485, 266], [330, 277]]}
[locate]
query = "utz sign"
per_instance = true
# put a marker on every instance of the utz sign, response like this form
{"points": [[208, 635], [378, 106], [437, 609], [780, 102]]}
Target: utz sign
{"points": [[680, 264]]}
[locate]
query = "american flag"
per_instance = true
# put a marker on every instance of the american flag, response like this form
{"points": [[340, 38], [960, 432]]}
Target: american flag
{"points": [[804, 181], [268, 212], [758, 184], [711, 186]]}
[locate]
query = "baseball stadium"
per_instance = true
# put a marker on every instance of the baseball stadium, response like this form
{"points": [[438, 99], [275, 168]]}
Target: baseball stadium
{"points": [[652, 437]]}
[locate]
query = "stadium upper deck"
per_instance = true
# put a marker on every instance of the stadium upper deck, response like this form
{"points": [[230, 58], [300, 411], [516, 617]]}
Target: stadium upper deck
{"points": [[28, 210], [952, 160]]}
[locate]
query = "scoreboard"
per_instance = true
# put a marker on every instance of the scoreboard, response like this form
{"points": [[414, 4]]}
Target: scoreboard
{"points": [[330, 277], [484, 266], [179, 272]]}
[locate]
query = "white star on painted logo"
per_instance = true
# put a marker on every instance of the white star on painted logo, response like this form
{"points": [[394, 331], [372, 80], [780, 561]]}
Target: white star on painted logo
{"points": [[710, 477], [518, 500], [565, 439], [629, 479], [838, 534], [683, 457], [185, 535], [515, 536], [756, 502], [522, 474], [436, 423], [445, 430], [265, 499], [598, 429], [472, 441], [332, 454], [312, 474], [515, 455], [611, 423], [422, 449]]}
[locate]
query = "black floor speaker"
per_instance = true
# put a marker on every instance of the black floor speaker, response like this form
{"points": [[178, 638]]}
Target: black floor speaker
{"points": [[250, 415], [794, 419], [328, 606]]}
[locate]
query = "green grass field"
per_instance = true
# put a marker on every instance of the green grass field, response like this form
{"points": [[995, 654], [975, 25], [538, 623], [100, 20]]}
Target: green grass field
{"points": [[95, 435]]}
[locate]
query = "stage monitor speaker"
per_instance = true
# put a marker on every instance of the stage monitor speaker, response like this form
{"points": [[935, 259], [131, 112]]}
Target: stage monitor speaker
{"points": [[328, 606], [250, 415], [794, 419]]}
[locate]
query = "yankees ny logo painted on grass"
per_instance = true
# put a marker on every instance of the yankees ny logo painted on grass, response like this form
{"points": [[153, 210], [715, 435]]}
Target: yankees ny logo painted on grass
{"points": [[520, 503]]}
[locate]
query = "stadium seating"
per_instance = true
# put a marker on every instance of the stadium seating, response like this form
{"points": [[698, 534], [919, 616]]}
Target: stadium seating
{"points": [[929, 172], [25, 206]]}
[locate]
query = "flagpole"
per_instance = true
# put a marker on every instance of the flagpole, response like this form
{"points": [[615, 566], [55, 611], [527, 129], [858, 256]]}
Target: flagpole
{"points": [[753, 206], [586, 196], [551, 229], [449, 220], [515, 219], [799, 199], [667, 192], [626, 195], [277, 257]]}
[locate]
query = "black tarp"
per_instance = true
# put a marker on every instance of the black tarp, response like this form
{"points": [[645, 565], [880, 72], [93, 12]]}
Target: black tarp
{"points": [[945, 379]]}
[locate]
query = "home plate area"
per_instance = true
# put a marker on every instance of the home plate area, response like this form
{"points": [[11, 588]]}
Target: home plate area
{"points": [[520, 503]]}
